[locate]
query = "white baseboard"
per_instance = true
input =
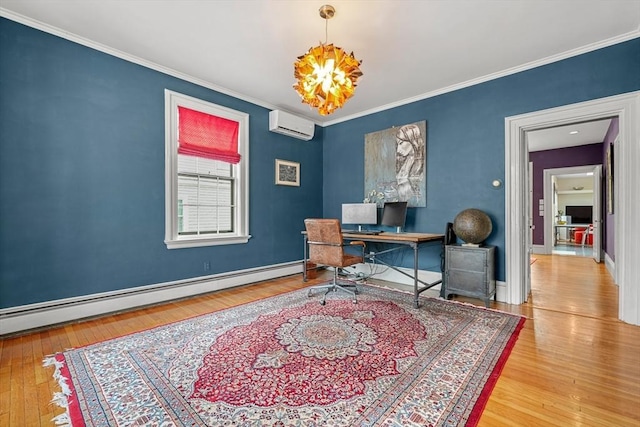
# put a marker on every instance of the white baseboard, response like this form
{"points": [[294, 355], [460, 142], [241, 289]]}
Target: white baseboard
{"points": [[25, 317], [538, 249], [611, 267], [382, 272]]}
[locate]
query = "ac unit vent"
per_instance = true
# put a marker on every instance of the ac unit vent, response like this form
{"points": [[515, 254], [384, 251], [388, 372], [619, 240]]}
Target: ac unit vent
{"points": [[290, 125]]}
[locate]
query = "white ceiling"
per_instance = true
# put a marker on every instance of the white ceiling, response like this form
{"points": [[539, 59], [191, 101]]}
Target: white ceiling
{"points": [[568, 136], [409, 49]]}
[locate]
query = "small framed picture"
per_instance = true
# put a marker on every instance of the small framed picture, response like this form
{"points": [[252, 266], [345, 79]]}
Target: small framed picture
{"points": [[287, 173]]}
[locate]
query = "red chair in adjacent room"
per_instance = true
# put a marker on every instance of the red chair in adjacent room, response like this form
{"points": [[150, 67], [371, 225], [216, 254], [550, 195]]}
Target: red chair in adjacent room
{"points": [[584, 235]]}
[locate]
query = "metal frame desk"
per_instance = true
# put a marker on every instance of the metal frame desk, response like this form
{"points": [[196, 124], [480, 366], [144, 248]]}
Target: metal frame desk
{"points": [[401, 240]]}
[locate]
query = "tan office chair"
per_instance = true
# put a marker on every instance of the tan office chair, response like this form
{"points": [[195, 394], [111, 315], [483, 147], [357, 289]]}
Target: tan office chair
{"points": [[326, 247]]}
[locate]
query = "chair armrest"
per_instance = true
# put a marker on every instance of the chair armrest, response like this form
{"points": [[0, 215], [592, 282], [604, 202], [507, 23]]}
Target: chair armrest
{"points": [[359, 243]]}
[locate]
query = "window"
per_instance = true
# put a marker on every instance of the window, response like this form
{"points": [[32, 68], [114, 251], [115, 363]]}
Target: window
{"points": [[206, 191]]}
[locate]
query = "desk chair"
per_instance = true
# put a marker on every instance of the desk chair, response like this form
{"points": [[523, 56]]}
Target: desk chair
{"points": [[326, 247]]}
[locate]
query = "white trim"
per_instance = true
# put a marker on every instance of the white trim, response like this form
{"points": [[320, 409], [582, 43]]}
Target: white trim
{"points": [[25, 317], [538, 249], [405, 283], [503, 73], [388, 274], [132, 58], [171, 72], [241, 174], [610, 265], [627, 170], [549, 214]]}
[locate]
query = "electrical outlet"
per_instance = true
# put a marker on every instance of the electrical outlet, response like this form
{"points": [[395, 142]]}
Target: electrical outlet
{"points": [[207, 266]]}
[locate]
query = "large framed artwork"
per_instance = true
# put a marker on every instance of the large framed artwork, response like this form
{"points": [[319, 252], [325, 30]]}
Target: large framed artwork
{"points": [[395, 165]]}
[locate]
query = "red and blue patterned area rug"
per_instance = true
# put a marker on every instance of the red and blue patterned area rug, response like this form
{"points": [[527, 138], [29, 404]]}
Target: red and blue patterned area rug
{"points": [[290, 361]]}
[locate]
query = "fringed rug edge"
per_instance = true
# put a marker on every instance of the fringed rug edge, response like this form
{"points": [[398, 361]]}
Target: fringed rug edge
{"points": [[66, 397]]}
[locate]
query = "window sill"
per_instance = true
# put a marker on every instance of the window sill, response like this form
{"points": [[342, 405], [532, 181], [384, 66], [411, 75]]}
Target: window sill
{"points": [[200, 242]]}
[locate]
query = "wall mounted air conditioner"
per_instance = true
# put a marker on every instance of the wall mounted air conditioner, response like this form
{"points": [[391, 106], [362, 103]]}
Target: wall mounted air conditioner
{"points": [[288, 124]]}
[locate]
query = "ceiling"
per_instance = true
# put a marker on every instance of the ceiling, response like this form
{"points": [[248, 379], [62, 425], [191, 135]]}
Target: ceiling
{"points": [[568, 136], [574, 184], [410, 50]]}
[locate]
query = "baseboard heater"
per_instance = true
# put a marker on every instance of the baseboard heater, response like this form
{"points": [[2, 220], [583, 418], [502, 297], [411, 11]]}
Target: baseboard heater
{"points": [[48, 313]]}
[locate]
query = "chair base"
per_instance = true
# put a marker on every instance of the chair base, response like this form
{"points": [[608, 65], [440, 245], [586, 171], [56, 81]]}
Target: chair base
{"points": [[335, 286]]}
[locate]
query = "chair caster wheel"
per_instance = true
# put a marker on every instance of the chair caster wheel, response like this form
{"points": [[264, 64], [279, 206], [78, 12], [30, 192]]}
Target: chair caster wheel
{"points": [[355, 301], [323, 302]]}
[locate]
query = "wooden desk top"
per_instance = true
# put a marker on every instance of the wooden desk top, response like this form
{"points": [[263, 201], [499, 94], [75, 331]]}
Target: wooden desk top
{"points": [[395, 237]]}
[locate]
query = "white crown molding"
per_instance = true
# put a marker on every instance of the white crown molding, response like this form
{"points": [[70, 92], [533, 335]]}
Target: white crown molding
{"points": [[530, 65], [38, 25], [134, 59]]}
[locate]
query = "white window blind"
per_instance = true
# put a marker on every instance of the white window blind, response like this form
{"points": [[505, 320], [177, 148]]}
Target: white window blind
{"points": [[205, 193]]}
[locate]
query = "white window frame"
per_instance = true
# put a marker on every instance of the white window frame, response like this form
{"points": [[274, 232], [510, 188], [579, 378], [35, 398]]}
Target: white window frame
{"points": [[240, 171]]}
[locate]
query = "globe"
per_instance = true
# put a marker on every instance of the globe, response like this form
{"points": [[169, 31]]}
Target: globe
{"points": [[473, 226]]}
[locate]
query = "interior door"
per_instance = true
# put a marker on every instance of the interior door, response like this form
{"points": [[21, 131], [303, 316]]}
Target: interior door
{"points": [[528, 188], [530, 208], [596, 215]]}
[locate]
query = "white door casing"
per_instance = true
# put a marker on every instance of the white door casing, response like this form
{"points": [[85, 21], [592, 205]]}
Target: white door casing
{"points": [[551, 208], [597, 217], [627, 108]]}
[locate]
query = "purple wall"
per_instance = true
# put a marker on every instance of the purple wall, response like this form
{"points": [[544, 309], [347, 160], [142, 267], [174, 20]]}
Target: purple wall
{"points": [[609, 219], [561, 158]]}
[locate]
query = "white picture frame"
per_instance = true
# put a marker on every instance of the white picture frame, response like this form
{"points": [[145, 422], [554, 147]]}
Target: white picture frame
{"points": [[287, 173]]}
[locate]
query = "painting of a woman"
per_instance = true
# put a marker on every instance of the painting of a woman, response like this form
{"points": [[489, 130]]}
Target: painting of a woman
{"points": [[409, 161], [395, 165]]}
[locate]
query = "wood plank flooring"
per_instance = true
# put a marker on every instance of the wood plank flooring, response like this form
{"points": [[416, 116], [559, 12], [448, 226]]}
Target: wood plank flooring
{"points": [[574, 364]]}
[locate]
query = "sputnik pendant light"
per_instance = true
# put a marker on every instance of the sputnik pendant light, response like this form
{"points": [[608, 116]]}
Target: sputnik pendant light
{"points": [[326, 75]]}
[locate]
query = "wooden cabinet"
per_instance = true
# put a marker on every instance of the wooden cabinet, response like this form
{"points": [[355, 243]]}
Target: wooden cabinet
{"points": [[470, 271]]}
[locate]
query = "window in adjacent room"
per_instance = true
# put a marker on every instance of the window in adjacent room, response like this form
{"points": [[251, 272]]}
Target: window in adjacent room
{"points": [[207, 175]]}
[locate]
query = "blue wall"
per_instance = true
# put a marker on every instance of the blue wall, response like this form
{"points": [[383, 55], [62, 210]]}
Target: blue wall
{"points": [[465, 137], [82, 164], [82, 175]]}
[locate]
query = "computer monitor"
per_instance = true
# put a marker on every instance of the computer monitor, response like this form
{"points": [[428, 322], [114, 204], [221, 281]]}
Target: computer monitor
{"points": [[359, 214], [394, 214]]}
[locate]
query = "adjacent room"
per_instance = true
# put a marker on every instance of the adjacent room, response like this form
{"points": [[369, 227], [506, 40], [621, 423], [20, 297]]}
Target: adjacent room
{"points": [[262, 213]]}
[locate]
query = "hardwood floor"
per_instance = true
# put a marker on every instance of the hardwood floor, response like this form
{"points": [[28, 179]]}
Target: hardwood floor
{"points": [[574, 363]]}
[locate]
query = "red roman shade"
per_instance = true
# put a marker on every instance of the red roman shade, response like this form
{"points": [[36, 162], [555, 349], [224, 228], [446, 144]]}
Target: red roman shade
{"points": [[203, 135]]}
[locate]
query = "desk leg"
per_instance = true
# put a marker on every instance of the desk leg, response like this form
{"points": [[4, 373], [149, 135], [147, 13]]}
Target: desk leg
{"points": [[415, 276], [304, 261]]}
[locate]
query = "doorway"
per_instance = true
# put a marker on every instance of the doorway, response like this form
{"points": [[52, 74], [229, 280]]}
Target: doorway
{"points": [[626, 201], [572, 217]]}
